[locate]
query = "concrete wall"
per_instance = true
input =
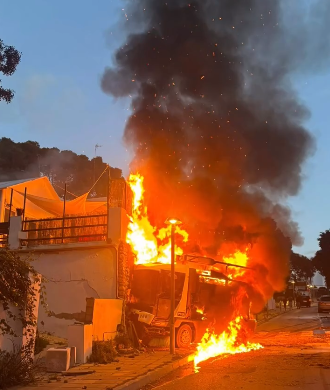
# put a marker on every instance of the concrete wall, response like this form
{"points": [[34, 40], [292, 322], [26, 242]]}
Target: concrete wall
{"points": [[74, 275], [107, 316]]}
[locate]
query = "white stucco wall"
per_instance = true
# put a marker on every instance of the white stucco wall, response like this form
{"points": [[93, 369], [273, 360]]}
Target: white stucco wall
{"points": [[73, 276]]}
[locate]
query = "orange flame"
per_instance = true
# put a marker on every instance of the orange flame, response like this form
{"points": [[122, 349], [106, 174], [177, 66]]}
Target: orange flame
{"points": [[147, 244], [213, 345], [152, 245], [238, 258]]}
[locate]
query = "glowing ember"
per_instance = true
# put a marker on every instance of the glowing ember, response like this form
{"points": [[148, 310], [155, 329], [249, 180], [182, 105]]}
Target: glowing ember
{"points": [[147, 244], [213, 345]]}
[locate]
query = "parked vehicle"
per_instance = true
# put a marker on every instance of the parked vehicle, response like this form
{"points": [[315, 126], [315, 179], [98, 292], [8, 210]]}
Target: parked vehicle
{"points": [[305, 300], [324, 303], [322, 291]]}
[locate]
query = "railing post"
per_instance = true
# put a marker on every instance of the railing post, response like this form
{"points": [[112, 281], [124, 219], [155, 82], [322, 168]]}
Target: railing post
{"points": [[11, 204], [63, 220], [24, 203], [108, 201]]}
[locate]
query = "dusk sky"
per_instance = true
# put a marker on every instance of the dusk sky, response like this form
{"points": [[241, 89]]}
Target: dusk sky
{"points": [[65, 47]]}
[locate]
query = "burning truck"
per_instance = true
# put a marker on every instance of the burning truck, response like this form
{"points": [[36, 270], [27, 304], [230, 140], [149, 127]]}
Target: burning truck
{"points": [[212, 297], [200, 290]]}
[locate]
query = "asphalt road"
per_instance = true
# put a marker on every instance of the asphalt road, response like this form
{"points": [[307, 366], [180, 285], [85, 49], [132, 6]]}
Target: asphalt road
{"points": [[295, 320], [293, 357]]}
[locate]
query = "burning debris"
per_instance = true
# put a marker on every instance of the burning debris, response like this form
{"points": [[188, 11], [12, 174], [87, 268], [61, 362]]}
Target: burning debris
{"points": [[217, 136], [226, 343]]}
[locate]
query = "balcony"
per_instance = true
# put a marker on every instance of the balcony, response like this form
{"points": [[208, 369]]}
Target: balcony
{"points": [[70, 229]]}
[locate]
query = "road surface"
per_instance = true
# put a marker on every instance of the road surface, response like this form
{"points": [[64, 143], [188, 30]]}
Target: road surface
{"points": [[293, 321], [296, 355]]}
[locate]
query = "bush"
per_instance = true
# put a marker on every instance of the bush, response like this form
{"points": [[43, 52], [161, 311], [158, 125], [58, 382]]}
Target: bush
{"points": [[40, 343], [17, 368], [18, 289], [103, 352], [123, 340]]}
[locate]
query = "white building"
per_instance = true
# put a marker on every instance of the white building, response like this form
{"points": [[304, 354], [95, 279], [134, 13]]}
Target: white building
{"points": [[83, 255]]}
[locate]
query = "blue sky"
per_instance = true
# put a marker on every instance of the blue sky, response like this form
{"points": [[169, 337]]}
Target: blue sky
{"points": [[67, 44]]}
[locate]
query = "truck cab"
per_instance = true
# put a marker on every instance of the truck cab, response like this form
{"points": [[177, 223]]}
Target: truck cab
{"points": [[195, 288]]}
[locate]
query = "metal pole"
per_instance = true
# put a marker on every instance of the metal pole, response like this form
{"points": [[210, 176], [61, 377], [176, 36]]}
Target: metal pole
{"points": [[108, 200], [24, 202], [11, 204], [172, 329], [63, 221]]}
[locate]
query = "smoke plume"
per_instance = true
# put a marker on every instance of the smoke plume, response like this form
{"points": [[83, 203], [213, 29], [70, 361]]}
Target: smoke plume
{"points": [[216, 127]]}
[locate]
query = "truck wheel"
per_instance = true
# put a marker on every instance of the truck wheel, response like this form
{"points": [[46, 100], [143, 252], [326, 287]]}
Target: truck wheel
{"points": [[184, 336]]}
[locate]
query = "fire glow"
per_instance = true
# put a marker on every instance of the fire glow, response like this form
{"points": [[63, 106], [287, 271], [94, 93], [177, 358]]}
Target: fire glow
{"points": [[151, 245], [213, 345]]}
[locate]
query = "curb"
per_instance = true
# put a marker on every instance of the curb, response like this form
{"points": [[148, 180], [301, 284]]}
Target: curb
{"points": [[153, 376], [277, 315]]}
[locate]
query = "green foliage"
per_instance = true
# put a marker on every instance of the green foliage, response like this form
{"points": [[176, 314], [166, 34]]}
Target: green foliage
{"points": [[18, 289], [24, 160], [17, 367], [302, 268], [321, 259], [9, 59], [40, 343], [103, 352]]}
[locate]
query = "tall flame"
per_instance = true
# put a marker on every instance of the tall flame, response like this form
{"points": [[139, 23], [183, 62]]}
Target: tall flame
{"points": [[213, 345], [148, 244]]}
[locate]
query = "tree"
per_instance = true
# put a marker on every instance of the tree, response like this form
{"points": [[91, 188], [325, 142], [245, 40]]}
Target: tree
{"points": [[302, 268], [19, 285], [22, 160], [321, 259], [9, 59], [17, 281]]}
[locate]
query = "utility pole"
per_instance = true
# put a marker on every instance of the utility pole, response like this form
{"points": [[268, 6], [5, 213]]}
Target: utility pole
{"points": [[173, 222], [172, 328], [95, 151]]}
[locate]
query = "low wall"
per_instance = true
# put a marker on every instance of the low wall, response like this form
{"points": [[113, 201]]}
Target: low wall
{"points": [[72, 276]]}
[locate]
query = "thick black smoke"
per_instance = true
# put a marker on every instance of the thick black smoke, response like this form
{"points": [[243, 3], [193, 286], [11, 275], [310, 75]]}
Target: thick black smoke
{"points": [[216, 127]]}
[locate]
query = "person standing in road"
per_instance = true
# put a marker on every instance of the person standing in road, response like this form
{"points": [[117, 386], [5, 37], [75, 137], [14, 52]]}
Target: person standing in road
{"points": [[284, 303], [290, 302], [298, 301]]}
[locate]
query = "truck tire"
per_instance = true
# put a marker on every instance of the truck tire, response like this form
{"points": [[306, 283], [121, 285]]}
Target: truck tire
{"points": [[184, 336]]}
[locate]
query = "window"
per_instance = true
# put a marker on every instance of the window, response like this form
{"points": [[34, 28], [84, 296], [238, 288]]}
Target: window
{"points": [[145, 285]]}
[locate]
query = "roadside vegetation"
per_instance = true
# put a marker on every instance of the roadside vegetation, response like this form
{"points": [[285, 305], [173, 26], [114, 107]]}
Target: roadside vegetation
{"points": [[20, 286]]}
